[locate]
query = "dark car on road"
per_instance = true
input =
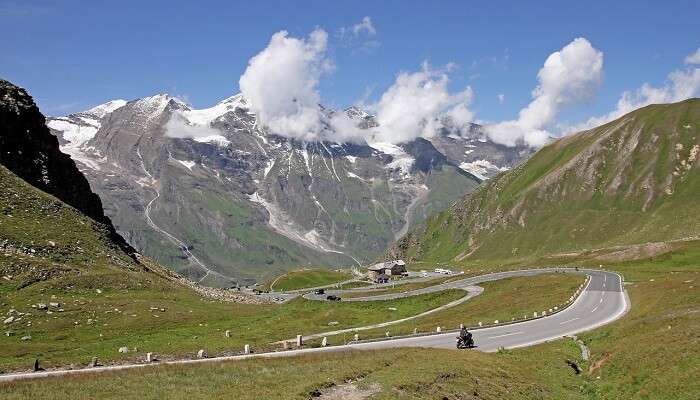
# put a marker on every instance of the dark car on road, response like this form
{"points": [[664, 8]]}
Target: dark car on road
{"points": [[319, 291], [333, 298]]}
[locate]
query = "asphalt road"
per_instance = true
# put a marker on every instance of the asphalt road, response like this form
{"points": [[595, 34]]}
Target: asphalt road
{"points": [[602, 301]]}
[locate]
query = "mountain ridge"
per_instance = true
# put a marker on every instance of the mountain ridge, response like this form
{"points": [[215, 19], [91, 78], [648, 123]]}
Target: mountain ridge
{"points": [[225, 195], [630, 181]]}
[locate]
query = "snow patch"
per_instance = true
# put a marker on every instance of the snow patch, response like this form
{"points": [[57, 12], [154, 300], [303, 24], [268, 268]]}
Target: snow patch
{"points": [[75, 134], [206, 116], [218, 140], [351, 175], [106, 108], [482, 169], [402, 161], [352, 159], [187, 164]]}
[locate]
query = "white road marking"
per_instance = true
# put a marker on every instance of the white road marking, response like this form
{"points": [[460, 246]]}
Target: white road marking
{"points": [[566, 322], [596, 307], [507, 334]]}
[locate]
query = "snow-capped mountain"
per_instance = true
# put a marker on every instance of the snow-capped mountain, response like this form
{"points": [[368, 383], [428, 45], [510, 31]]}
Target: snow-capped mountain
{"points": [[213, 195]]}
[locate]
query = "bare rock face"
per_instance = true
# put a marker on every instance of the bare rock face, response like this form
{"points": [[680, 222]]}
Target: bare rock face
{"points": [[28, 149], [219, 199]]}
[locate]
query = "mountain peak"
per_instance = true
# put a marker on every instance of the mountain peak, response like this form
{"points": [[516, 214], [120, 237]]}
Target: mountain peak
{"points": [[101, 110]]}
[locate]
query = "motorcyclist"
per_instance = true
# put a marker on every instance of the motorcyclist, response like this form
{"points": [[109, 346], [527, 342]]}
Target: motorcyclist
{"points": [[463, 332], [465, 337]]}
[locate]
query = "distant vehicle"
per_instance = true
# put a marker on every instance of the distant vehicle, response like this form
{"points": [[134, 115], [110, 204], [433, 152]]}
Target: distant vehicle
{"points": [[443, 271], [332, 298], [319, 291], [424, 274]]}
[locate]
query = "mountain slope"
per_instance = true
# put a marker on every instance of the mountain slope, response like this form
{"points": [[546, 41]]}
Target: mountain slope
{"points": [[633, 180], [219, 199], [29, 150]]}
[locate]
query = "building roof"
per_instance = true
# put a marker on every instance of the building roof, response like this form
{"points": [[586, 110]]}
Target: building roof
{"points": [[377, 267], [387, 264]]}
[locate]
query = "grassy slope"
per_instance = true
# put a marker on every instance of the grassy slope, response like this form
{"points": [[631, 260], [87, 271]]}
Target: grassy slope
{"points": [[630, 181], [402, 374], [126, 311], [636, 357]]}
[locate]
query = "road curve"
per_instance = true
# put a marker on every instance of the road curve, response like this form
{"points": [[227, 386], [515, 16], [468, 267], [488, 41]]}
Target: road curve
{"points": [[602, 301]]}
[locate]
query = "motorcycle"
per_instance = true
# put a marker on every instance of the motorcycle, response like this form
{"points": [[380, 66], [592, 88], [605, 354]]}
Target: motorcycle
{"points": [[465, 343]]}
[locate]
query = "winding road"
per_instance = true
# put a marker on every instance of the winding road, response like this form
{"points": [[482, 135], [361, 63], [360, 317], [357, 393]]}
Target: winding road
{"points": [[601, 301]]}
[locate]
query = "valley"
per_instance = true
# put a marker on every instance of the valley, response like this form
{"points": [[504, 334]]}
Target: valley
{"points": [[212, 195], [354, 201]]}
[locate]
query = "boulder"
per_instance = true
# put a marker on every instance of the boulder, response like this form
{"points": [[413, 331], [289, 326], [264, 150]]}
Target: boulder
{"points": [[124, 349]]}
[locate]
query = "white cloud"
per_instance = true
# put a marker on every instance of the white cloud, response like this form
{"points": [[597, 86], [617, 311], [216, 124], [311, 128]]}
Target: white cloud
{"points": [[501, 98], [179, 127], [693, 58], [416, 104], [680, 85], [364, 26], [359, 36], [281, 84], [569, 76]]}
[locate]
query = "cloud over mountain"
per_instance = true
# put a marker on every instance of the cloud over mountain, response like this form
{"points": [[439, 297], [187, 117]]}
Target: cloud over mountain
{"points": [[281, 83], [681, 84], [568, 76], [415, 105]]}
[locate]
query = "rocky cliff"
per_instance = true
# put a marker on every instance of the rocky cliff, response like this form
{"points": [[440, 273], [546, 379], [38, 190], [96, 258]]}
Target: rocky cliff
{"points": [[29, 150]]}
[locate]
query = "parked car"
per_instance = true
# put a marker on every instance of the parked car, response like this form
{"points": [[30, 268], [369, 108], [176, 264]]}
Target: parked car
{"points": [[319, 291], [333, 298]]}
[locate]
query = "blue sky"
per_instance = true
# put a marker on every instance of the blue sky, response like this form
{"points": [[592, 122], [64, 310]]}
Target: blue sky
{"points": [[71, 55]]}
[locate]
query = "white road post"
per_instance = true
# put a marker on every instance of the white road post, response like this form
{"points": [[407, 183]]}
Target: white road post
{"points": [[357, 337], [438, 329], [300, 341], [246, 349], [324, 342]]}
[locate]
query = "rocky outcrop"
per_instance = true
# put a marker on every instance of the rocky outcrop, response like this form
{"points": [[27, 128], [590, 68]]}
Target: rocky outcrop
{"points": [[29, 150]]}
